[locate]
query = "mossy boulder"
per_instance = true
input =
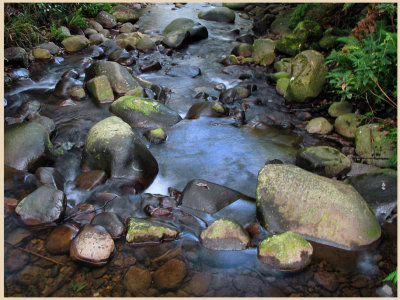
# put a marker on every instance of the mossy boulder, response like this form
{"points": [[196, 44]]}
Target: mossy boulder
{"points": [[219, 14], [144, 112], [124, 14], [328, 41], [282, 24], [347, 124], [283, 65], [282, 85], [289, 44], [75, 43], [119, 77], [371, 143], [243, 49], [224, 234], [112, 146], [308, 30], [41, 53], [319, 125], [323, 209], [16, 56], [156, 136], [309, 72], [45, 206], [287, 251], [264, 51], [207, 108], [100, 88], [323, 160], [339, 108], [278, 75], [142, 231], [145, 44], [26, 145], [106, 20]]}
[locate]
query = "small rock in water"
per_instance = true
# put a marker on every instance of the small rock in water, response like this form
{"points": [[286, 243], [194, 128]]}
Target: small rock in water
{"points": [[170, 275], [50, 176], [137, 280], [90, 179], [59, 240], [156, 136], [142, 230], [184, 71], [111, 222], [15, 260], [93, 245]]}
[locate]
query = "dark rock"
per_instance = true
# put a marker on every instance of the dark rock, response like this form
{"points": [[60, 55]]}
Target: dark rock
{"points": [[183, 71], [109, 46], [16, 56], [243, 49], [106, 20], [260, 26], [219, 14], [50, 176], [208, 108], [15, 260], [91, 179], [150, 66], [176, 39], [327, 280], [183, 30], [59, 240], [199, 284], [233, 94], [137, 280], [94, 51], [111, 222], [238, 71], [170, 275], [247, 38], [64, 87], [30, 275], [93, 246], [44, 206], [155, 136], [84, 213], [19, 73], [143, 230]]}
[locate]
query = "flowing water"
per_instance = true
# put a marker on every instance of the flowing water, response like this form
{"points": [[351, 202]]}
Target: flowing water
{"points": [[212, 149]]}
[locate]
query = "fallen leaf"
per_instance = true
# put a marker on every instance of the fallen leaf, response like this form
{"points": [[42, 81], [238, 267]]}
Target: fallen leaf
{"points": [[203, 185]]}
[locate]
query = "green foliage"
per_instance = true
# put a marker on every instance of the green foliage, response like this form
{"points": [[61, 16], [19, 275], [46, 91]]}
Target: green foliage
{"points": [[77, 287], [56, 34], [22, 33], [392, 138], [300, 11], [92, 9], [392, 277], [78, 19]]}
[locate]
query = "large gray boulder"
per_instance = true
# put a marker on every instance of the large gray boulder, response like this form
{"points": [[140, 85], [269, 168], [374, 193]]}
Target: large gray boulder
{"points": [[219, 14], [325, 210], [308, 76], [183, 30], [144, 112], [112, 146]]}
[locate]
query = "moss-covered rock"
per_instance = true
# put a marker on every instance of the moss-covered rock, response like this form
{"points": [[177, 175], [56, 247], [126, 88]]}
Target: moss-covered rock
{"points": [[289, 44], [323, 160], [283, 65], [207, 108], [145, 44], [155, 136], [100, 88], [219, 14], [339, 108], [282, 85], [328, 41], [235, 5], [124, 14], [309, 72], [282, 24], [326, 210], [319, 125], [75, 43], [144, 112], [142, 231], [308, 30], [287, 251], [41, 53], [347, 124], [264, 51], [243, 49], [371, 143], [278, 75], [224, 234], [112, 146]]}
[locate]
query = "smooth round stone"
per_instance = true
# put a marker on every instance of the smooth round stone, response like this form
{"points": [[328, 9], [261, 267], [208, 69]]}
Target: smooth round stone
{"points": [[111, 222], [59, 240], [93, 246], [137, 280], [339, 108], [319, 125], [170, 275]]}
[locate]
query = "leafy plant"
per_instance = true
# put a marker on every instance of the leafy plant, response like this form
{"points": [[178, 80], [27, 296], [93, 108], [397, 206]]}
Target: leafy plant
{"points": [[392, 277], [56, 34], [77, 287], [21, 32], [78, 19], [92, 9]]}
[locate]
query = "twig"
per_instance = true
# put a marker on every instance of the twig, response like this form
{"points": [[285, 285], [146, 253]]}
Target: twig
{"points": [[36, 254], [393, 103]]}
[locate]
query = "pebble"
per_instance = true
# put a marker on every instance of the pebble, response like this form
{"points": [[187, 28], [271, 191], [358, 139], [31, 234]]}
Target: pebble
{"points": [[170, 275]]}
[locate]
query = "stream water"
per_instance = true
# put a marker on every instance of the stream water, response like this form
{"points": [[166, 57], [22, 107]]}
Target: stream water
{"points": [[212, 149]]}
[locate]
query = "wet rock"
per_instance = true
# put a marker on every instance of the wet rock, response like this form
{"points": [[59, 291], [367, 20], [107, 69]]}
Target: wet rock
{"points": [[44, 206], [319, 125], [16, 56], [254, 230], [230, 60], [89, 31], [39, 53], [339, 108], [78, 93], [371, 142], [289, 44], [84, 213], [96, 38], [308, 30], [75, 43], [124, 14], [65, 86], [243, 49], [111, 222], [248, 284], [93, 246], [170, 275], [379, 189], [384, 291], [109, 46], [90, 179], [19, 74], [150, 66], [137, 280], [238, 71], [176, 39], [283, 65], [327, 280], [156, 136], [264, 52], [225, 234], [127, 27], [64, 31], [208, 108], [112, 146], [143, 230], [309, 72], [261, 25], [30, 275], [347, 124], [184, 71], [246, 38], [100, 88], [207, 196], [233, 94], [50, 46], [119, 77], [15, 260], [199, 284], [219, 14], [144, 112], [145, 44], [26, 145], [50, 176], [106, 20], [29, 109], [282, 86], [95, 25], [59, 240], [323, 160], [287, 251], [324, 209]]}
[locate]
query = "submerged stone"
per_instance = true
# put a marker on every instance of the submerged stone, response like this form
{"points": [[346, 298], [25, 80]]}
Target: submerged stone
{"points": [[50, 176], [137, 280], [290, 198], [143, 230], [170, 275], [184, 71], [224, 234], [287, 251], [207, 108], [89, 180], [111, 222], [59, 240]]}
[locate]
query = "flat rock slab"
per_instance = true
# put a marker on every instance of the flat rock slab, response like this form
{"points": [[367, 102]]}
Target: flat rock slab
{"points": [[143, 230]]}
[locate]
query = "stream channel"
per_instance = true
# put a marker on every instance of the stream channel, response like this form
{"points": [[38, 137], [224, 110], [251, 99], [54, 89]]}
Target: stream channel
{"points": [[217, 150]]}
